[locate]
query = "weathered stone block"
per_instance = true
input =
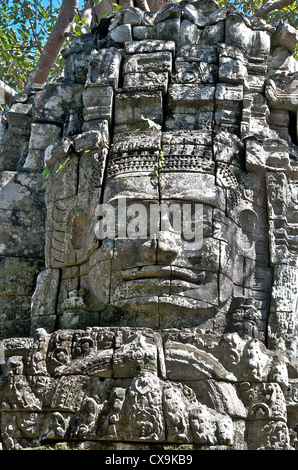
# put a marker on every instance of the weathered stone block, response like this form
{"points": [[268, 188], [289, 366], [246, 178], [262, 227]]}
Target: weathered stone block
{"points": [[198, 53], [268, 435], [57, 151], [255, 115], [201, 364], [181, 187], [104, 67], [44, 298], [157, 45], [147, 81], [20, 118], [42, 135], [228, 100], [77, 320], [202, 120], [143, 32], [18, 275], [91, 170], [183, 98], [98, 102], [255, 156], [135, 351], [22, 193], [285, 36], [130, 15], [168, 12], [195, 15], [232, 70], [192, 72], [122, 33], [69, 227], [188, 151], [55, 103], [22, 233], [228, 148], [229, 92], [98, 292], [238, 33], [14, 149], [48, 322], [149, 62], [189, 33], [213, 34], [94, 139], [133, 110], [12, 325], [168, 30]]}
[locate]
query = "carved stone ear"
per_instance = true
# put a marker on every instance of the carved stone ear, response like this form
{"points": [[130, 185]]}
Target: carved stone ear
{"points": [[247, 220], [77, 222]]}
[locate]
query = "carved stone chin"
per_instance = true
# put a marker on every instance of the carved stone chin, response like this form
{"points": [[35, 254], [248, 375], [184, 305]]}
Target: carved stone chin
{"points": [[149, 284]]}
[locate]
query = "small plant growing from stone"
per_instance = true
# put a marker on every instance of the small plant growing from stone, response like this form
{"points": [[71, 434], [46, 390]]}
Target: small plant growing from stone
{"points": [[154, 125], [159, 165], [47, 173]]}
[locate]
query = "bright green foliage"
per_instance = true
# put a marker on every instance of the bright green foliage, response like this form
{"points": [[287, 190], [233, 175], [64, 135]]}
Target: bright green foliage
{"points": [[289, 14], [25, 26], [249, 7]]}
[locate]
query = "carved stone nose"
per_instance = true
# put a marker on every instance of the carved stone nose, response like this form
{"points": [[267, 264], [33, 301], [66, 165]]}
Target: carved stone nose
{"points": [[149, 250], [167, 248]]}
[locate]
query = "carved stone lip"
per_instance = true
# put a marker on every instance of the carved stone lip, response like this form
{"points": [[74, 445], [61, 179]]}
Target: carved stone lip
{"points": [[165, 272]]}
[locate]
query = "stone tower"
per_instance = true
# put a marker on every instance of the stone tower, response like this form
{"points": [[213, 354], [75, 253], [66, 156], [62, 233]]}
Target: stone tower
{"points": [[149, 238]]}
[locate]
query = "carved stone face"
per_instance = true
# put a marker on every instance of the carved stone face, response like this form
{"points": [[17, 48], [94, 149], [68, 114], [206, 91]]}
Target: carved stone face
{"points": [[162, 279], [181, 119]]}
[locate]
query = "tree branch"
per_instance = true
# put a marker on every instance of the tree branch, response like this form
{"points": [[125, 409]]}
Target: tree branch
{"points": [[6, 92], [87, 13], [54, 43], [143, 5], [271, 5]]}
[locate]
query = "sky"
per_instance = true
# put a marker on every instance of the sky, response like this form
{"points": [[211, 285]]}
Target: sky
{"points": [[58, 2]]}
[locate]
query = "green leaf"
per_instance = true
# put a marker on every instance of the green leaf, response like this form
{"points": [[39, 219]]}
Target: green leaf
{"points": [[117, 7], [103, 14], [46, 171], [62, 165]]}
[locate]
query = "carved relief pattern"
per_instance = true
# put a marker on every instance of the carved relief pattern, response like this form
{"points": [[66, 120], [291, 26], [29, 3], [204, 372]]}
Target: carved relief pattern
{"points": [[74, 401]]}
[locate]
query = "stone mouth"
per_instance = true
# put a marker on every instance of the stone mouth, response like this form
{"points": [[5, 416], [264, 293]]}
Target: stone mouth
{"points": [[163, 272]]}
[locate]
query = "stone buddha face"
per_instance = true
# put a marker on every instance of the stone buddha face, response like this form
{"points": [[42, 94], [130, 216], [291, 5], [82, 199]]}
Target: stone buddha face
{"points": [[174, 235], [191, 130]]}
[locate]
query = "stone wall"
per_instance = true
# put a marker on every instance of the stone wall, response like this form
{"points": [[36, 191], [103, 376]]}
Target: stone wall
{"points": [[140, 340], [22, 218]]}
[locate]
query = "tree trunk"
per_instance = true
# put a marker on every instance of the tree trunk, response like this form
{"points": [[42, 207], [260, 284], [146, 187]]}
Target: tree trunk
{"points": [[271, 5], [54, 43], [6, 92]]}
